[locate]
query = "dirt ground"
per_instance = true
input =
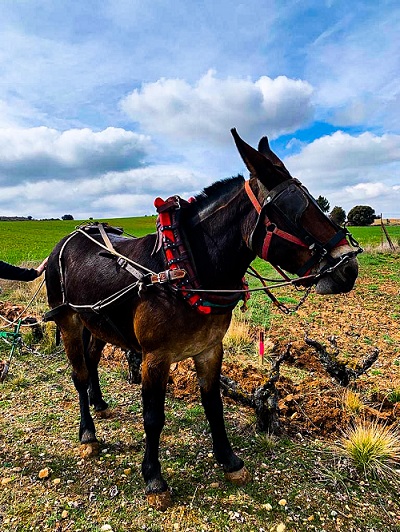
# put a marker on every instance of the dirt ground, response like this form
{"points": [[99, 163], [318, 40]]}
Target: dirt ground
{"points": [[310, 400]]}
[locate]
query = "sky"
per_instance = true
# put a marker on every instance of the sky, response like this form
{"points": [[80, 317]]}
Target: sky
{"points": [[105, 105]]}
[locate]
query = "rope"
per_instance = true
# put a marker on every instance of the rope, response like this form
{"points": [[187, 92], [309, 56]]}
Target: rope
{"points": [[23, 311], [108, 301]]}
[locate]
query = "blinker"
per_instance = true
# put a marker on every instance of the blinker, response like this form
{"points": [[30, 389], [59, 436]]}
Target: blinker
{"points": [[288, 202]]}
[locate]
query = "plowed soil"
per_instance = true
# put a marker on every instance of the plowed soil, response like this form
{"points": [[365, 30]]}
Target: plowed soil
{"points": [[310, 400]]}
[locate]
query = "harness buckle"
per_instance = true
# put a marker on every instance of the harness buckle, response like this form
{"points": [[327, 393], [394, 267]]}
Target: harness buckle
{"points": [[168, 275]]}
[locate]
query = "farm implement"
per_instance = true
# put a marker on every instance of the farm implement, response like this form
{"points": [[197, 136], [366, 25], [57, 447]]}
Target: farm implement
{"points": [[14, 339]]}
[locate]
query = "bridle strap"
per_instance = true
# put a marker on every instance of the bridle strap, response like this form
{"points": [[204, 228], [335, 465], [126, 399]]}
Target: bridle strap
{"points": [[252, 197], [337, 240], [271, 229], [282, 234]]}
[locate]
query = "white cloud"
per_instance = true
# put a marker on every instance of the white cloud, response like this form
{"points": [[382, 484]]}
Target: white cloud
{"points": [[41, 152], [114, 194], [333, 153], [350, 170], [364, 191], [206, 110]]}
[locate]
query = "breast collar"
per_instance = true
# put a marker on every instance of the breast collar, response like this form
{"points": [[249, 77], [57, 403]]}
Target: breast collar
{"points": [[171, 239]]}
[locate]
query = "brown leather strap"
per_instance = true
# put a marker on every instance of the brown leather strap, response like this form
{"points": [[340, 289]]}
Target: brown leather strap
{"points": [[168, 275], [107, 241]]}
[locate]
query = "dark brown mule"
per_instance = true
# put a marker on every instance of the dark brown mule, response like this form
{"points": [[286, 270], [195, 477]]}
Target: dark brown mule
{"points": [[273, 216]]}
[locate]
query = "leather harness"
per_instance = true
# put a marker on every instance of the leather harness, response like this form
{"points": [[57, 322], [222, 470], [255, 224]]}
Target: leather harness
{"points": [[177, 255]]}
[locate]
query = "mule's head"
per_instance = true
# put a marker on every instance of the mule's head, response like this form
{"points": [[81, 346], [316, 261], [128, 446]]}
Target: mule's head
{"points": [[290, 230]]}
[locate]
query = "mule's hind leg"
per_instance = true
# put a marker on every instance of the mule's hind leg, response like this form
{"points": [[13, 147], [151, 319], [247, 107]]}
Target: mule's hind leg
{"points": [[134, 359], [93, 348], [155, 373], [208, 367], [72, 333]]}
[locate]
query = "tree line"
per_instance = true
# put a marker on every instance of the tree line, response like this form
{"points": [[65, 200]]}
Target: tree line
{"points": [[360, 215]]}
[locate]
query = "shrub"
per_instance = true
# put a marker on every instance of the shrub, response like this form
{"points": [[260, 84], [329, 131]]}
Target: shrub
{"points": [[361, 215]]}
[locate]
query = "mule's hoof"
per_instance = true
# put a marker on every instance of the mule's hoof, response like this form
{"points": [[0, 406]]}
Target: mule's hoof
{"points": [[159, 501], [239, 478], [87, 450], [104, 414]]}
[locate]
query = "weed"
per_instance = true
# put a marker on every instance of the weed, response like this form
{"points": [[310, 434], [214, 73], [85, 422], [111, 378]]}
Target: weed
{"points": [[374, 448], [266, 442], [394, 395], [388, 339], [19, 382], [352, 402], [238, 339]]}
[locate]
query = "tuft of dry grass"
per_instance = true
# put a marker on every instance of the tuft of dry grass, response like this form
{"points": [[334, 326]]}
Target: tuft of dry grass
{"points": [[373, 448], [352, 402], [238, 339]]}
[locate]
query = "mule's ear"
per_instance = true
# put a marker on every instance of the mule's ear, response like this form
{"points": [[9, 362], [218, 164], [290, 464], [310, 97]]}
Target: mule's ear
{"points": [[263, 147], [258, 165]]}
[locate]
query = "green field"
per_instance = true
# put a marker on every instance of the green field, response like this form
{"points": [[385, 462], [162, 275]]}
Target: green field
{"points": [[31, 241]]}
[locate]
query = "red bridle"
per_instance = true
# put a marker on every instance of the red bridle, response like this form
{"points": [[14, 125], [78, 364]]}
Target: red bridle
{"points": [[271, 229]]}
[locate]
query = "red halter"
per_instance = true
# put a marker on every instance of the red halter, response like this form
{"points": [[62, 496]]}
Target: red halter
{"points": [[275, 231]]}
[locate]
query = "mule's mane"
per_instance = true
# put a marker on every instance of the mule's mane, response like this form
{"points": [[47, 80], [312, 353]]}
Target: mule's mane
{"points": [[218, 189]]}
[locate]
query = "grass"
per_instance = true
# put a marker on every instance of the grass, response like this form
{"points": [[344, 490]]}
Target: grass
{"points": [[374, 449], [40, 413], [323, 490], [394, 395], [352, 402]]}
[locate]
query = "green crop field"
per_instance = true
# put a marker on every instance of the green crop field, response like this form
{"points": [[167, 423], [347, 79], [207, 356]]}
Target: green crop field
{"points": [[30, 241]]}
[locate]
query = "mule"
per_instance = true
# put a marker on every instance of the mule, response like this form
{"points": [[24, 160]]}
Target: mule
{"points": [[96, 298]]}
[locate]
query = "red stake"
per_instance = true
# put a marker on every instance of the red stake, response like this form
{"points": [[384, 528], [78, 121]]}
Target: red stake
{"points": [[261, 346]]}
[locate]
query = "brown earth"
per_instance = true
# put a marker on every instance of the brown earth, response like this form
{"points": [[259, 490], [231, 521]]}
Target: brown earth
{"points": [[310, 401]]}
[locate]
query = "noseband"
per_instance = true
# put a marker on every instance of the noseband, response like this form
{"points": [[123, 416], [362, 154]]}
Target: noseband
{"points": [[289, 200]]}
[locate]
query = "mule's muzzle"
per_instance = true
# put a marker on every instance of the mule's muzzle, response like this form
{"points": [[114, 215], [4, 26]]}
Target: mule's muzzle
{"points": [[339, 279]]}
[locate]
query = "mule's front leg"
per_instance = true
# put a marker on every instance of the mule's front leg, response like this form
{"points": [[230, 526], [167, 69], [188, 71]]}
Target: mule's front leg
{"points": [[155, 374], [208, 367]]}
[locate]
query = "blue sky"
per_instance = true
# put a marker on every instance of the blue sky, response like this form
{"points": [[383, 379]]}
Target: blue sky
{"points": [[105, 105]]}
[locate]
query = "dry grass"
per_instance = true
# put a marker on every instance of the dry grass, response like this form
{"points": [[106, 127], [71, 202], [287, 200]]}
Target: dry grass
{"points": [[374, 448], [352, 402], [238, 339]]}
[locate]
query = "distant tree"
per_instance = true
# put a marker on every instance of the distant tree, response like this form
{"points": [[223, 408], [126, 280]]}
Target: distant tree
{"points": [[361, 215], [67, 217], [337, 215], [323, 203]]}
